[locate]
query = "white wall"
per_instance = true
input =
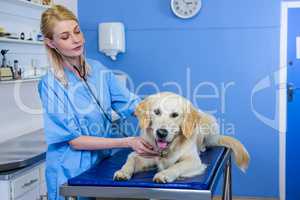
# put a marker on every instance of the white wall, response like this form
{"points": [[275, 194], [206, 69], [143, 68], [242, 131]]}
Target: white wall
{"points": [[16, 100], [70, 4], [18, 103]]}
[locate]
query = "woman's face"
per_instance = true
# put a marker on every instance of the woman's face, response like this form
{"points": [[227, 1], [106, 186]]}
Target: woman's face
{"points": [[67, 38]]}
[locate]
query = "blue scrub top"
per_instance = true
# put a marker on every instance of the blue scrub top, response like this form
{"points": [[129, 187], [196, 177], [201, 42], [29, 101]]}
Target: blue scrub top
{"points": [[70, 112]]}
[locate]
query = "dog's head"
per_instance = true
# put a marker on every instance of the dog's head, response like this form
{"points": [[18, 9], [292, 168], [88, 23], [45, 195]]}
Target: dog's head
{"points": [[165, 116]]}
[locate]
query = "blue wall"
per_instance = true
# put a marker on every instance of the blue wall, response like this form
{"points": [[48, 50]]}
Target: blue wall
{"points": [[229, 41]]}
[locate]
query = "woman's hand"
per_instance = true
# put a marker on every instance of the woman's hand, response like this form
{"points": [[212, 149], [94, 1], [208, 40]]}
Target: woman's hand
{"points": [[142, 147]]}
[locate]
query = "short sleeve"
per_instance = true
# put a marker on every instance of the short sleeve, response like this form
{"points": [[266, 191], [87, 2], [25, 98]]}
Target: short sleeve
{"points": [[59, 122], [123, 101]]}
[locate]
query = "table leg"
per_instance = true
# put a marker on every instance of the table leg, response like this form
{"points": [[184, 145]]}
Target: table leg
{"points": [[70, 198], [227, 188]]}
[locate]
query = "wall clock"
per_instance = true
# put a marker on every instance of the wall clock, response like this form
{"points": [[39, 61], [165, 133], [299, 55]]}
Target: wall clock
{"points": [[186, 8]]}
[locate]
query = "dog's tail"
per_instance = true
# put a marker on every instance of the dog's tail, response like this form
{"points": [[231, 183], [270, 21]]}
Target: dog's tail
{"points": [[241, 155]]}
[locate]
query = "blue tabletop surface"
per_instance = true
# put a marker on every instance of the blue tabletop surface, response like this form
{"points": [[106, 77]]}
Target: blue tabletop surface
{"points": [[102, 173]]}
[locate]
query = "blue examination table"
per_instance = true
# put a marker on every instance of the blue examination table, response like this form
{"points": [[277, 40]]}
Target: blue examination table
{"points": [[98, 181]]}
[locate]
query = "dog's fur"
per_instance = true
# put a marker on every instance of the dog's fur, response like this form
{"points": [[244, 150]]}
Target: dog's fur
{"points": [[189, 131]]}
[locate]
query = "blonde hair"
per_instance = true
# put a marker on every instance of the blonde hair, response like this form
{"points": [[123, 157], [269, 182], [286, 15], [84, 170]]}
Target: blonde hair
{"points": [[49, 17]]}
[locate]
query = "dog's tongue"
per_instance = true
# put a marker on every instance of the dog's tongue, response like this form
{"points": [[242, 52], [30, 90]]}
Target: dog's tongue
{"points": [[162, 144]]}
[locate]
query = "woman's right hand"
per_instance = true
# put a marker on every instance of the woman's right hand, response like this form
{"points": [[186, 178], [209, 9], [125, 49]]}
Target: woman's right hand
{"points": [[142, 147]]}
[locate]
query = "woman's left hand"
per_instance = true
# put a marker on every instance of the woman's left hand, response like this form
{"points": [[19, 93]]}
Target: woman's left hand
{"points": [[142, 147]]}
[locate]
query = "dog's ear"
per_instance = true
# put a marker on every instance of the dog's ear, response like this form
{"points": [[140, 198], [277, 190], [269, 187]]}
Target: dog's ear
{"points": [[142, 112], [190, 121]]}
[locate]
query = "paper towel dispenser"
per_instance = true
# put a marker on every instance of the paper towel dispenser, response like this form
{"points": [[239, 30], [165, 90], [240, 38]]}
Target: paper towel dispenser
{"points": [[111, 38]]}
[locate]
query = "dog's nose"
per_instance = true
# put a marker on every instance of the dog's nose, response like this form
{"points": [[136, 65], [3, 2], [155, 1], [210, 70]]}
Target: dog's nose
{"points": [[161, 133]]}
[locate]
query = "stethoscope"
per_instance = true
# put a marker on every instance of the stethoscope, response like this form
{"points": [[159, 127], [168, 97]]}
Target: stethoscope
{"points": [[82, 74]]}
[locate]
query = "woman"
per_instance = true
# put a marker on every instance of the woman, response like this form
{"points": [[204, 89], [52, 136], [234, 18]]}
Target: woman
{"points": [[75, 126]]}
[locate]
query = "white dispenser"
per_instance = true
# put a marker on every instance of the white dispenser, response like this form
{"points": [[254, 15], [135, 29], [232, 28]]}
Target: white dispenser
{"points": [[111, 38]]}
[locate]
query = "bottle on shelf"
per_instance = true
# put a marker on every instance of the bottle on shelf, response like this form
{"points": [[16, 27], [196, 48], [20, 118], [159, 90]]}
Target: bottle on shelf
{"points": [[17, 70], [6, 71]]}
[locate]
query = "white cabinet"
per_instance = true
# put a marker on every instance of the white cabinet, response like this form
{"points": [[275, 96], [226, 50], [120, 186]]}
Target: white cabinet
{"points": [[30, 195], [26, 185], [42, 187], [5, 190]]}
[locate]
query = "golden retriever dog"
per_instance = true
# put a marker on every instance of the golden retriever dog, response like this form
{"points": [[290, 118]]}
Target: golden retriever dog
{"points": [[180, 132]]}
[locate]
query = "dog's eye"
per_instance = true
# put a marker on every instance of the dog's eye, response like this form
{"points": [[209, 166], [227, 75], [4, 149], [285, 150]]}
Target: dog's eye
{"points": [[174, 115], [157, 112]]}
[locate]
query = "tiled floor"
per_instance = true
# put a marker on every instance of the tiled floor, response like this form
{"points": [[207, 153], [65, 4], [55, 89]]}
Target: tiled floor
{"points": [[217, 198], [241, 198]]}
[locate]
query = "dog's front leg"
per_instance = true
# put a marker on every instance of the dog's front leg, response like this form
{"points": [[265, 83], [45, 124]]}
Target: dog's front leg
{"points": [[187, 167], [134, 164]]}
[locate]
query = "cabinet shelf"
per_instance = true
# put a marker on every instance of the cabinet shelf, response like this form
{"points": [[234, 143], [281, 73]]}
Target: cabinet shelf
{"points": [[34, 79], [27, 3], [7, 40]]}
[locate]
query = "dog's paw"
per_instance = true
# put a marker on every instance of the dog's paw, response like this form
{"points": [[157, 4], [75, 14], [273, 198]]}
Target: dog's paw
{"points": [[121, 176], [163, 177], [202, 168], [202, 149]]}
